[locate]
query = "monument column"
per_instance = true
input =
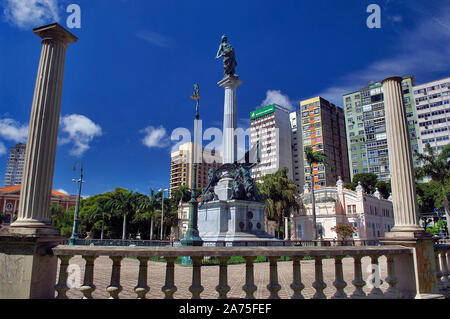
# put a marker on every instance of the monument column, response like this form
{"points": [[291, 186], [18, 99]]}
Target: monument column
{"points": [[37, 180], [417, 277], [230, 84]]}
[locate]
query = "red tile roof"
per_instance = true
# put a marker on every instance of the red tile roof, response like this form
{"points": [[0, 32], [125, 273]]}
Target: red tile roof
{"points": [[13, 189]]}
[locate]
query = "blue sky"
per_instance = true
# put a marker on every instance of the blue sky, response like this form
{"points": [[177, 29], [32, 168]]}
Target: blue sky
{"points": [[129, 77]]}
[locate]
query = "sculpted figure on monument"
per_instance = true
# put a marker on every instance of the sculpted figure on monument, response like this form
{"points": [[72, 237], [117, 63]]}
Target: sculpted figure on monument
{"points": [[226, 51]]}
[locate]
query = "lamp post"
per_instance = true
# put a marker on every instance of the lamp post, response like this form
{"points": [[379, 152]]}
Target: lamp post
{"points": [[77, 207], [192, 237], [162, 213]]}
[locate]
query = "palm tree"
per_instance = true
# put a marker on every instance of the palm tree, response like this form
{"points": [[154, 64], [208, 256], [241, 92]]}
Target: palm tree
{"points": [[436, 167], [122, 203], [280, 194], [314, 158], [147, 208], [98, 210]]}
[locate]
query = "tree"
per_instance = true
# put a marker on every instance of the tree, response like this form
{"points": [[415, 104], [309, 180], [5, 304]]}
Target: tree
{"points": [[280, 194], [314, 158], [61, 219], [122, 202], [368, 182], [147, 209], [384, 188], [436, 167]]}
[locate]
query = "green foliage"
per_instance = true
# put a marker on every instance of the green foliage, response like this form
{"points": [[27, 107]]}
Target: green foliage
{"points": [[384, 188], [62, 219], [280, 194], [2, 217], [436, 167], [368, 182], [112, 211], [436, 229]]}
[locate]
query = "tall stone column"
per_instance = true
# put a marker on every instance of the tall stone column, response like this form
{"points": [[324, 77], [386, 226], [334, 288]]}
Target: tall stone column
{"points": [[28, 266], [39, 164], [417, 271], [400, 158], [230, 84]]}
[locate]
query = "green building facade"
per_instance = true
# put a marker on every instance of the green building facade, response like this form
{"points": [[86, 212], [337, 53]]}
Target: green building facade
{"points": [[366, 128]]}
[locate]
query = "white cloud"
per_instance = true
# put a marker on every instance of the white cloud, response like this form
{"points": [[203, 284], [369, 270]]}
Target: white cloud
{"points": [[156, 39], [276, 97], [81, 131], [2, 149], [421, 52], [155, 137], [62, 191], [12, 130], [31, 13]]}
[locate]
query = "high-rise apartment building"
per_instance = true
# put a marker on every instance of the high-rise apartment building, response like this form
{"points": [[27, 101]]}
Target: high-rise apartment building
{"points": [[298, 170], [366, 128], [14, 169], [271, 126], [182, 164], [433, 112], [323, 129]]}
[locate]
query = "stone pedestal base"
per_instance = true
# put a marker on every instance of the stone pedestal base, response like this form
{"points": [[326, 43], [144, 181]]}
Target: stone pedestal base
{"points": [[27, 266], [417, 272], [232, 221]]}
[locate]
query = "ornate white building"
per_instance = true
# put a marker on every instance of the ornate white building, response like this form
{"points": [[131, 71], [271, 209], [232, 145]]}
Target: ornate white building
{"points": [[370, 214]]}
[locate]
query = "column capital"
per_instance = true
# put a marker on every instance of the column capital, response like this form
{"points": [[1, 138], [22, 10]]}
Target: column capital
{"points": [[230, 81], [56, 32], [393, 78]]}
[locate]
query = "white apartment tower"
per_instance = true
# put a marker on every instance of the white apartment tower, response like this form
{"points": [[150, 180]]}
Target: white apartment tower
{"points": [[271, 126], [14, 169], [433, 112]]}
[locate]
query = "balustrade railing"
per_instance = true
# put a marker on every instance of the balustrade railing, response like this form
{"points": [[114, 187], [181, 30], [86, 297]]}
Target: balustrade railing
{"points": [[247, 243], [442, 255], [296, 254]]}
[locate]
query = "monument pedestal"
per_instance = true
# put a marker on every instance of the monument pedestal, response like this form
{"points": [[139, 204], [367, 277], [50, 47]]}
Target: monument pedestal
{"points": [[232, 221], [417, 278], [27, 265]]}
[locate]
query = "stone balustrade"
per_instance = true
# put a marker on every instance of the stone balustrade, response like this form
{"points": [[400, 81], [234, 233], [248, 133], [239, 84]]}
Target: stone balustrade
{"points": [[318, 254], [442, 255]]}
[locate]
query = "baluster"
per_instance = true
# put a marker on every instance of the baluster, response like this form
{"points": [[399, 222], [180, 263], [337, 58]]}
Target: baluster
{"points": [[358, 282], [339, 283], [115, 288], [297, 285], [376, 292], [223, 287], [62, 287], [169, 288], [249, 286], [88, 285], [273, 286], [447, 254], [142, 288], [444, 268], [319, 285], [439, 273], [392, 292], [196, 288]]}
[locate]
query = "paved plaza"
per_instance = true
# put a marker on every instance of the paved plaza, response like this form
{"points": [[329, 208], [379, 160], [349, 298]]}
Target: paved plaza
{"points": [[210, 275]]}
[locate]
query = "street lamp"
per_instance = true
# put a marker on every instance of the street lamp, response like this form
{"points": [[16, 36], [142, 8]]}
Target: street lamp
{"points": [[192, 237], [77, 207], [162, 212]]}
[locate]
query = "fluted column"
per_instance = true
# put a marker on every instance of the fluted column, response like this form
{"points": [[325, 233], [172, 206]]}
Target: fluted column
{"points": [[37, 180], [230, 84], [400, 158]]}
